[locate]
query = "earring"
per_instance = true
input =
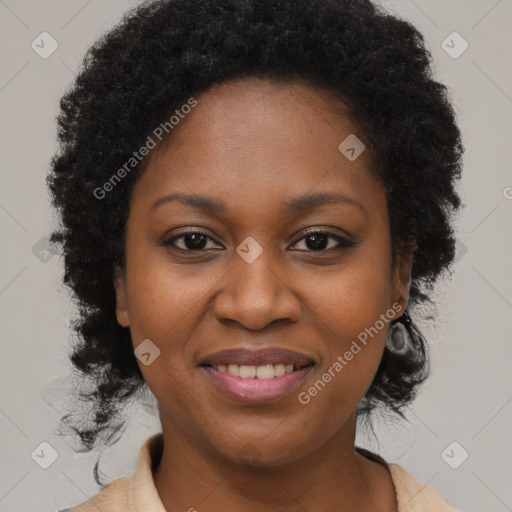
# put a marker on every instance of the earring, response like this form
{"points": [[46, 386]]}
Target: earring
{"points": [[398, 341]]}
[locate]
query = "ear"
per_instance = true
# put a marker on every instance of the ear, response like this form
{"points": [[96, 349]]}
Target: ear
{"points": [[121, 297], [402, 274]]}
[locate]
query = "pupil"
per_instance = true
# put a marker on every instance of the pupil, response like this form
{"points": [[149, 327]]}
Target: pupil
{"points": [[319, 241], [198, 241]]}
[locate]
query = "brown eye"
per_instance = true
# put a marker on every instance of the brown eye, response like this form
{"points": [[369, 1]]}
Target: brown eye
{"points": [[319, 240], [190, 241]]}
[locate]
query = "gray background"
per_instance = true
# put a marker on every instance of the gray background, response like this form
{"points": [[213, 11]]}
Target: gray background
{"points": [[468, 397]]}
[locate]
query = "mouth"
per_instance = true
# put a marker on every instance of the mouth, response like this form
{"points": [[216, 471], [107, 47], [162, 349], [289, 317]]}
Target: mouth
{"points": [[255, 377], [241, 357], [267, 371]]}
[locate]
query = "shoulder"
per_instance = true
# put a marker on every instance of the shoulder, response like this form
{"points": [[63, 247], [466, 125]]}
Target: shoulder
{"points": [[134, 492], [413, 496], [114, 497]]}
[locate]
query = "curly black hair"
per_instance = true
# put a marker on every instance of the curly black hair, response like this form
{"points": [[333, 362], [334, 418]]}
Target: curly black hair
{"points": [[162, 52]]}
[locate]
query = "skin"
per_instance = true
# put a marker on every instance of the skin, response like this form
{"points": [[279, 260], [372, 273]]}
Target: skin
{"points": [[254, 144]]}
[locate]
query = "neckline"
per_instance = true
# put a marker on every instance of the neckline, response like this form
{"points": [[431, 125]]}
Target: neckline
{"points": [[371, 456], [374, 457], [157, 445]]}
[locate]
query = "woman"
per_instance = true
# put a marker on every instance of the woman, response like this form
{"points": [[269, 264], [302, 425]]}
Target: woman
{"points": [[255, 195]]}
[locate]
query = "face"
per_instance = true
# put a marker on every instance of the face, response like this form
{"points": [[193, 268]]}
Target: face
{"points": [[268, 262]]}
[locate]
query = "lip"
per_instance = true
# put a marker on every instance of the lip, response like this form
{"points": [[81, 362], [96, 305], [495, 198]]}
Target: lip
{"points": [[257, 391], [259, 357]]}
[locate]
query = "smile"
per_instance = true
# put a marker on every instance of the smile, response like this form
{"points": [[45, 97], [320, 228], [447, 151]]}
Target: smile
{"points": [[267, 371], [256, 384]]}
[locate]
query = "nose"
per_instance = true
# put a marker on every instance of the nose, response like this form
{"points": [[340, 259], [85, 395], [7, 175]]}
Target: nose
{"points": [[255, 295]]}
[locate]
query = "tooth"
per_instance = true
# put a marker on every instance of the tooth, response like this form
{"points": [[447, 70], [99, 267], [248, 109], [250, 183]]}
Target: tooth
{"points": [[247, 372], [265, 372], [279, 369], [234, 369]]}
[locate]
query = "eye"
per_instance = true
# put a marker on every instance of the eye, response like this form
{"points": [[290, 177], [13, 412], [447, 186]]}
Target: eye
{"points": [[191, 241], [318, 241]]}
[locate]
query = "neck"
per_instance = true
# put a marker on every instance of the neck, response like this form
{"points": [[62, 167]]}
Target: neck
{"points": [[334, 477]]}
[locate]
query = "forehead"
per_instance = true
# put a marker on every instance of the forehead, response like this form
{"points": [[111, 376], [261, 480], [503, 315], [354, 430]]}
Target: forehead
{"points": [[255, 140]]}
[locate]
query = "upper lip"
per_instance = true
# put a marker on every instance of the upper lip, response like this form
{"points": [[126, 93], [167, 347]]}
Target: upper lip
{"points": [[259, 357]]}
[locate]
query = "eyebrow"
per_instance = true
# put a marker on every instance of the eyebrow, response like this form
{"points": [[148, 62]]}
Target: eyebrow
{"points": [[296, 204]]}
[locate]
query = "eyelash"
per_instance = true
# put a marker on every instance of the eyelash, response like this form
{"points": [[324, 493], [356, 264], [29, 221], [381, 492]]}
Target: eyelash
{"points": [[342, 242]]}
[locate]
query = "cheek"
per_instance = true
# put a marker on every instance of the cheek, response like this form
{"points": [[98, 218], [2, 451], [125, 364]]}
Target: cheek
{"points": [[164, 298], [352, 310], [165, 307], [351, 300]]}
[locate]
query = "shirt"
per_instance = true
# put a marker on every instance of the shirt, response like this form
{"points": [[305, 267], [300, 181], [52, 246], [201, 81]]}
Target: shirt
{"points": [[137, 492]]}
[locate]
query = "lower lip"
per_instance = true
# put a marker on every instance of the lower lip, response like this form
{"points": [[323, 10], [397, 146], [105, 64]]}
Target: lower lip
{"points": [[255, 391]]}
